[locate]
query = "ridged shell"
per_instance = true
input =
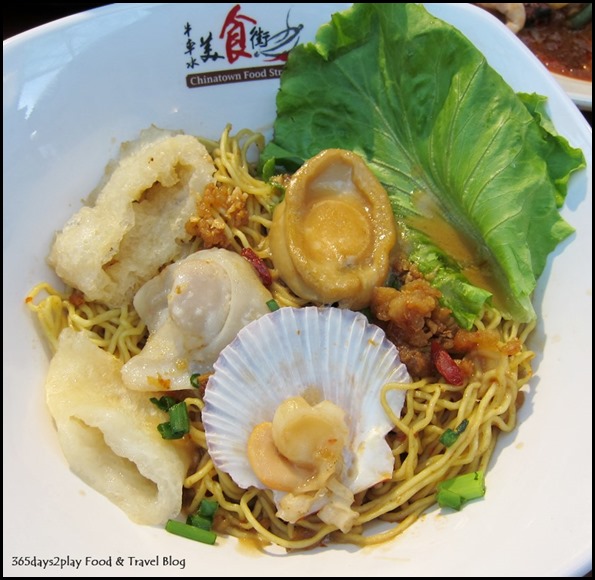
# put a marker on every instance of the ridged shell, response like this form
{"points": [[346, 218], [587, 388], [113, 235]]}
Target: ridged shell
{"points": [[334, 352]]}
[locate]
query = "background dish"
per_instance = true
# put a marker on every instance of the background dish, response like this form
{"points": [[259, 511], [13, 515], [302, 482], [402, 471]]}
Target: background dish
{"points": [[547, 33], [581, 92], [73, 90]]}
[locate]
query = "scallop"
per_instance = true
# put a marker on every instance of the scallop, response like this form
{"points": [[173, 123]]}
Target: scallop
{"points": [[306, 381], [332, 235]]}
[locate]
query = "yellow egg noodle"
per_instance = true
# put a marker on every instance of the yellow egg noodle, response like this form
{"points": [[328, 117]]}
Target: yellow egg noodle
{"points": [[488, 402], [119, 331], [231, 158]]}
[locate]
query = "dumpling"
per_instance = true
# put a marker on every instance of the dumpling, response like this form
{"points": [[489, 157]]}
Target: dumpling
{"points": [[193, 309], [137, 224], [109, 434]]}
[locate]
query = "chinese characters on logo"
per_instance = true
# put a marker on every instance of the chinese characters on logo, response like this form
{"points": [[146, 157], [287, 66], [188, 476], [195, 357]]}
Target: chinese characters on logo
{"points": [[234, 33], [240, 37]]}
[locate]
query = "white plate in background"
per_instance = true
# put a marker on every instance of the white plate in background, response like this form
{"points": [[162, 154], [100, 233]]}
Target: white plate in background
{"points": [[581, 92]]}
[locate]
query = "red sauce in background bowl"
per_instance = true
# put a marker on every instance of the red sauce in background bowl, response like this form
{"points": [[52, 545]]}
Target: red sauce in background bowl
{"points": [[561, 49], [548, 32]]}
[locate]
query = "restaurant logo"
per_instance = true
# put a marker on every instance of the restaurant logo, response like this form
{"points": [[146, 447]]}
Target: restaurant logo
{"points": [[240, 39]]}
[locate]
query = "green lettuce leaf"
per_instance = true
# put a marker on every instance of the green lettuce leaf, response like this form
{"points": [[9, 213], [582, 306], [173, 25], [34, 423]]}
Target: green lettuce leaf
{"points": [[475, 173]]}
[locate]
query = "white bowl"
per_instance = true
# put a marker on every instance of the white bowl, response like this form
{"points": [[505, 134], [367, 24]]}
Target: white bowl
{"points": [[73, 90]]}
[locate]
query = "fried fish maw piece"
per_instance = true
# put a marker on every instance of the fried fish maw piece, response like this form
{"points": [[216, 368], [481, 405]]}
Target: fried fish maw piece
{"points": [[109, 435], [136, 224]]}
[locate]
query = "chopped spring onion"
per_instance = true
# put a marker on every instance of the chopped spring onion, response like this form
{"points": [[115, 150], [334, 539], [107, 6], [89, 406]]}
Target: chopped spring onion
{"points": [[272, 304], [199, 522], [190, 532], [276, 185], [164, 403], [207, 508], [450, 499], [179, 422], [178, 418], [268, 169], [451, 435], [167, 432], [198, 380], [448, 437], [203, 517], [455, 492]]}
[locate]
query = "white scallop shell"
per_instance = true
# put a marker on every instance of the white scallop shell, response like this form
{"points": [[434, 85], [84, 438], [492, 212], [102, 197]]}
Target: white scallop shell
{"points": [[293, 351]]}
